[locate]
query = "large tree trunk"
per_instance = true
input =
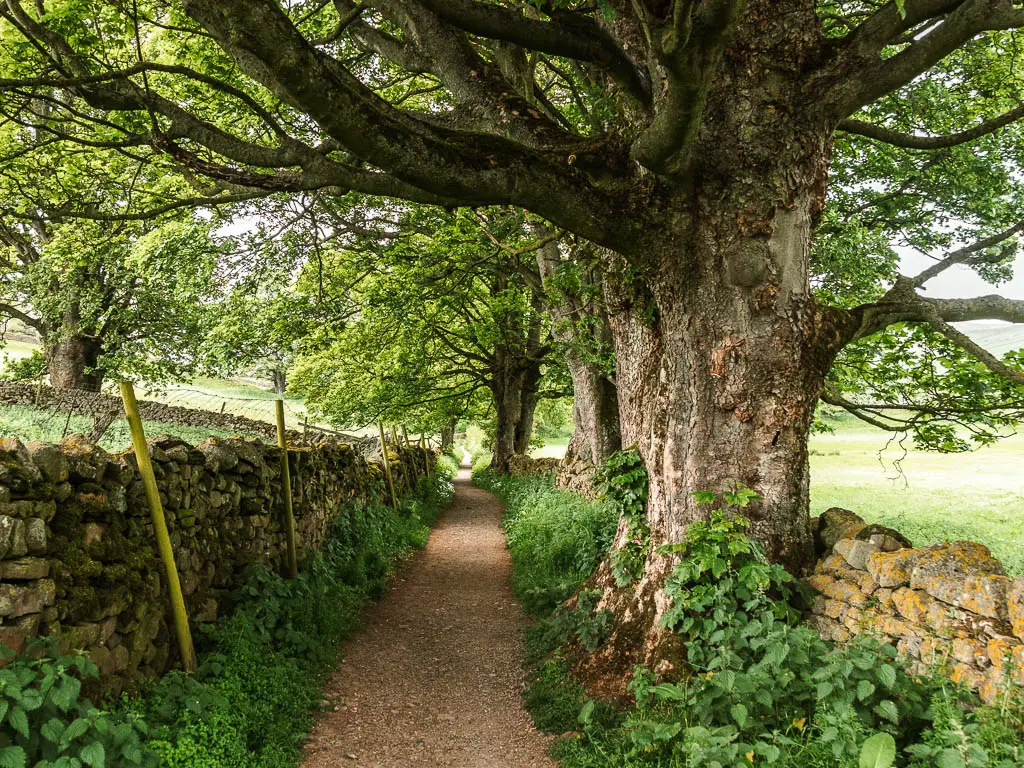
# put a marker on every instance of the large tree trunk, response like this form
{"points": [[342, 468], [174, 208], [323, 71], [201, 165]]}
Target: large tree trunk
{"points": [[71, 363], [721, 351], [717, 383]]}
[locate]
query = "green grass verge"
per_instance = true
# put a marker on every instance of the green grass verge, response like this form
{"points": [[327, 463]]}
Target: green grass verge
{"points": [[929, 497]]}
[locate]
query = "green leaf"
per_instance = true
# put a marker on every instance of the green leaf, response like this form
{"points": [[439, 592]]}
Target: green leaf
{"points": [[887, 675], [887, 709], [586, 712], [52, 730], [12, 757], [77, 729], [864, 689], [950, 758], [879, 751], [94, 755], [19, 721], [739, 714]]}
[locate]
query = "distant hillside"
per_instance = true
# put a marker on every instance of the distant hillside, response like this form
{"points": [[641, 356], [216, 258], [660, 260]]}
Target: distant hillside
{"points": [[997, 339]]}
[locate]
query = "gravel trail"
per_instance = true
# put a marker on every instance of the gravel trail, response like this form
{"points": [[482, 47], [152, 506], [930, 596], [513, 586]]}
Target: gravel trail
{"points": [[434, 677]]}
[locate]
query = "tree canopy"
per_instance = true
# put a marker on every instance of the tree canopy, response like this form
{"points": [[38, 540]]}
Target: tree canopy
{"points": [[742, 172]]}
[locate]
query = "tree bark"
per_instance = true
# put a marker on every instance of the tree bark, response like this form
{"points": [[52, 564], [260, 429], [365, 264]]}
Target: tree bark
{"points": [[448, 437], [280, 381], [72, 363], [718, 373], [527, 408], [579, 322], [721, 351], [514, 384], [595, 412]]}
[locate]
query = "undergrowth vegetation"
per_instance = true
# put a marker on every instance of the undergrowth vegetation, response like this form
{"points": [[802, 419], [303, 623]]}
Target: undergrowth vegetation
{"points": [[760, 688], [253, 700], [556, 539]]}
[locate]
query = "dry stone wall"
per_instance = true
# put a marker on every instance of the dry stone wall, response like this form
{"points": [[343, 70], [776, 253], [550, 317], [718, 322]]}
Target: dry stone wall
{"points": [[947, 607], [523, 465], [77, 554]]}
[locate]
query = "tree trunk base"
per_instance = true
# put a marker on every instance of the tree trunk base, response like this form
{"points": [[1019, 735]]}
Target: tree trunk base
{"points": [[637, 638]]}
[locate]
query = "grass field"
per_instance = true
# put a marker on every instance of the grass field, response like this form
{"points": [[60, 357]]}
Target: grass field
{"points": [[29, 423], [929, 497]]}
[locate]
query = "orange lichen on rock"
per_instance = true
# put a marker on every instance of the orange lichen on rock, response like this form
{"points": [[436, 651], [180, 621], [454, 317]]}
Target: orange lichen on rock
{"points": [[893, 569], [1015, 607]]}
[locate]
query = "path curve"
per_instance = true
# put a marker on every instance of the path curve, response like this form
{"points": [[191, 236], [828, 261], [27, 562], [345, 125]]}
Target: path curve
{"points": [[434, 678]]}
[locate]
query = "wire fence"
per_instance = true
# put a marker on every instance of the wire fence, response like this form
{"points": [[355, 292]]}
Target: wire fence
{"points": [[38, 412]]}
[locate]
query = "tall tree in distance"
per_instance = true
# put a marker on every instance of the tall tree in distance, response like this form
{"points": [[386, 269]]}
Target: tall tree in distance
{"points": [[579, 322], [446, 314], [691, 140]]}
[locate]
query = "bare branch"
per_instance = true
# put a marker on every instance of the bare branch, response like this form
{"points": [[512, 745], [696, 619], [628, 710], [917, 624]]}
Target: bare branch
{"points": [[863, 75], [569, 35], [910, 141], [967, 254], [977, 351]]}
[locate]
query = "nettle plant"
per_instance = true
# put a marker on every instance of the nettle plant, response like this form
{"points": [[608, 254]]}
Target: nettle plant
{"points": [[760, 685], [45, 722], [623, 482], [582, 622]]}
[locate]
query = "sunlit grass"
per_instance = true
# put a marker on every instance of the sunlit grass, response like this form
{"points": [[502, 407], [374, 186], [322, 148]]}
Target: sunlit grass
{"points": [[930, 497]]}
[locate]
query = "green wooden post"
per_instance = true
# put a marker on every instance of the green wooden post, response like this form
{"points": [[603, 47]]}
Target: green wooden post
{"points": [[163, 539], [415, 469], [387, 467], [401, 464], [286, 493]]}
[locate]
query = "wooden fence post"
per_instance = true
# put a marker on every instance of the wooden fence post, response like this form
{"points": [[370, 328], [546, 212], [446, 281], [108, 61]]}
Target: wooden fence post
{"points": [[401, 464], [415, 469], [163, 539], [387, 467], [286, 494], [426, 460]]}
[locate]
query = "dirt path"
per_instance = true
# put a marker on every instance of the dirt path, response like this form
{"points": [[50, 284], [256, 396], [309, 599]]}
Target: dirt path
{"points": [[434, 678]]}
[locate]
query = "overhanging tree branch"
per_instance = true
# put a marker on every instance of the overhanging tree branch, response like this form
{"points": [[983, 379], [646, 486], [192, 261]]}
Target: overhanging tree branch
{"points": [[567, 34], [910, 141], [862, 75], [971, 254]]}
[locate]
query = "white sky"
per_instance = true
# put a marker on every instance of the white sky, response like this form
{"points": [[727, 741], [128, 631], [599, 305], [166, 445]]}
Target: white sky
{"points": [[959, 281]]}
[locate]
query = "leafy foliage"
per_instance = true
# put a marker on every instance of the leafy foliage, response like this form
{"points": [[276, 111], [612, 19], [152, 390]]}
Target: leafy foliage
{"points": [[623, 482], [555, 539], [44, 722], [759, 687]]}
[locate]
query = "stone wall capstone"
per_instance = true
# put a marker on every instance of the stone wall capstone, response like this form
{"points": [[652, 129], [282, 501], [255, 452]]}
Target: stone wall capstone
{"points": [[947, 607], [77, 554]]}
